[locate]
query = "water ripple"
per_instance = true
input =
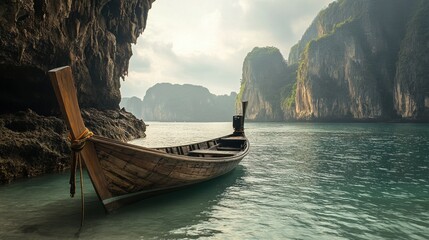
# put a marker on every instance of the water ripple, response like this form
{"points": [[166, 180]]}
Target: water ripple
{"points": [[300, 181]]}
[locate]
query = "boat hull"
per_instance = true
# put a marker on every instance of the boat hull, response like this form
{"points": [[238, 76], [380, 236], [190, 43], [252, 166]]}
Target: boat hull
{"points": [[134, 172]]}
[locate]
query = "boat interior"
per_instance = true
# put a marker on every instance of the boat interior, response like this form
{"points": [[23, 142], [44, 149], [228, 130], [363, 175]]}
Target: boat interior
{"points": [[221, 147]]}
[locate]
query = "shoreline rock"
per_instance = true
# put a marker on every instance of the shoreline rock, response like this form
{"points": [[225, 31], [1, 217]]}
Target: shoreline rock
{"points": [[32, 144]]}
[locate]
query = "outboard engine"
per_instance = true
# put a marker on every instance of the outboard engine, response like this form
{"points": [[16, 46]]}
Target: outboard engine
{"points": [[238, 121]]}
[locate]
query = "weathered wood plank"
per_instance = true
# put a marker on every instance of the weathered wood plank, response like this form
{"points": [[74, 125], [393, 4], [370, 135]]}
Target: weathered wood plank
{"points": [[213, 153], [142, 160], [120, 180], [164, 166], [118, 167], [113, 181]]}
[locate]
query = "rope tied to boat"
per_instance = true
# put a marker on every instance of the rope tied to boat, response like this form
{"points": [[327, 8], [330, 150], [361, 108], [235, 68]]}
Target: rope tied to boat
{"points": [[78, 143], [76, 146]]}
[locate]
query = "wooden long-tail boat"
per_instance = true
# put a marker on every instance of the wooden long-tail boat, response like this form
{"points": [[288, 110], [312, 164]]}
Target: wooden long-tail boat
{"points": [[123, 173]]}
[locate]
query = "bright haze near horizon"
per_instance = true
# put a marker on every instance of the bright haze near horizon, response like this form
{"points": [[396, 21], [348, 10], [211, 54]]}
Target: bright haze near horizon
{"points": [[204, 42]]}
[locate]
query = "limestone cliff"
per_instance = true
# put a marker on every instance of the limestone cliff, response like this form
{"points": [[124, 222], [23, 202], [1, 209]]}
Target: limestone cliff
{"points": [[189, 103], [347, 70], [264, 77], [411, 85], [134, 105], [358, 60], [324, 23], [94, 38]]}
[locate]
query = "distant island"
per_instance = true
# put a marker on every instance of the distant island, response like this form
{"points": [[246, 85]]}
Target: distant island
{"points": [[358, 61], [181, 103]]}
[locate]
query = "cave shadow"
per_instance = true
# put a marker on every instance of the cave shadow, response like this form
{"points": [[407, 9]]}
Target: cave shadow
{"points": [[26, 87]]}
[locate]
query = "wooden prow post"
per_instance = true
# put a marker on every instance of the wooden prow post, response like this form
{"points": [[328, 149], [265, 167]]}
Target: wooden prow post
{"points": [[62, 81], [65, 91]]}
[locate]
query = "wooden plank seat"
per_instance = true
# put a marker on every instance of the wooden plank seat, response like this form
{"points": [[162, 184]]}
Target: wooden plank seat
{"points": [[233, 139], [228, 148], [203, 152], [232, 142]]}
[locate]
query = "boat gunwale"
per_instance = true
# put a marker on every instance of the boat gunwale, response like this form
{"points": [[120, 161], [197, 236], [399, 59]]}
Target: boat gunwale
{"points": [[240, 154]]}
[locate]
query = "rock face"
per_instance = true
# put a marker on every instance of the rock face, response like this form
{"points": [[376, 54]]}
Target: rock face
{"points": [[264, 77], [347, 70], [360, 60], [31, 144], [189, 103], [133, 105], [94, 38], [411, 85], [115, 124]]}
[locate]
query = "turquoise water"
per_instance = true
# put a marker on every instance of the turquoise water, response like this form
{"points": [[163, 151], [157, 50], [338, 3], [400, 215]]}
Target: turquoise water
{"points": [[300, 181]]}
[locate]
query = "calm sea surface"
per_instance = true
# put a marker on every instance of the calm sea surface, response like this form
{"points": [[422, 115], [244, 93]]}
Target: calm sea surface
{"points": [[299, 181]]}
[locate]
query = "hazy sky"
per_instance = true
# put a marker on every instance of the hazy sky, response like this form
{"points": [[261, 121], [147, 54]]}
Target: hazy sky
{"points": [[204, 42]]}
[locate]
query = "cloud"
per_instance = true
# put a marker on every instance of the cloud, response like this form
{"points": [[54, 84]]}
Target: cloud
{"points": [[166, 65], [204, 42]]}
